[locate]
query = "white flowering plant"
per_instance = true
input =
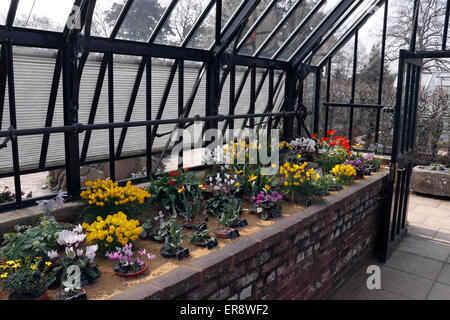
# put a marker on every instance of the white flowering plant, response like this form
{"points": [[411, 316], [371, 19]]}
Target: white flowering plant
{"points": [[71, 251]]}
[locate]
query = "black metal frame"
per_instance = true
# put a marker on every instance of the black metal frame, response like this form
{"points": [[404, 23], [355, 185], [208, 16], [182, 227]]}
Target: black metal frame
{"points": [[74, 49]]}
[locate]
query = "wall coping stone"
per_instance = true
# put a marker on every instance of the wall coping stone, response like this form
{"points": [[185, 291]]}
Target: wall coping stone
{"points": [[207, 267]]}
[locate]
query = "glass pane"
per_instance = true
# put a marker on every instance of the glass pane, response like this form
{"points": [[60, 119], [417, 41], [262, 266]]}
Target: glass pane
{"points": [[306, 32], [43, 14], [228, 9], [288, 27], [260, 8], [4, 6], [266, 26], [105, 16], [205, 34], [182, 19], [346, 26], [141, 20]]}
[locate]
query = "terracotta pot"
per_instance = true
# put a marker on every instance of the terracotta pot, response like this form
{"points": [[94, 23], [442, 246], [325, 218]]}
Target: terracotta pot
{"points": [[132, 275], [223, 232]]}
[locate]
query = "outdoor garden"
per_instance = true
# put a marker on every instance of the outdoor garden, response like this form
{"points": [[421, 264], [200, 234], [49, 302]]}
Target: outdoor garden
{"points": [[125, 234]]}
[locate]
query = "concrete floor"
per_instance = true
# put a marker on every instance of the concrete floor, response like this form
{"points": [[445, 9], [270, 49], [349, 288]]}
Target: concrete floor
{"points": [[420, 267]]}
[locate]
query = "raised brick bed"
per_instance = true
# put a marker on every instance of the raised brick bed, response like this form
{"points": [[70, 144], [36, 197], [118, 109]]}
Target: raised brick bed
{"points": [[305, 256]]}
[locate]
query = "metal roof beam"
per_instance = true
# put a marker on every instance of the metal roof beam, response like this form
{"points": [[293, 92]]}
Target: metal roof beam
{"points": [[319, 32]]}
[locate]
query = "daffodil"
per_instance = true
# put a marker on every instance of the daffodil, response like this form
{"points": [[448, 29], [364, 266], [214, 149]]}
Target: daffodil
{"points": [[252, 178]]}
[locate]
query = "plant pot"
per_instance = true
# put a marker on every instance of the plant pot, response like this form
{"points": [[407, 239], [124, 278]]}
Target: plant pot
{"points": [[298, 199], [79, 295], [239, 224], [226, 233], [180, 253], [206, 243], [269, 212], [336, 189], [132, 275], [44, 296], [246, 198], [196, 225]]}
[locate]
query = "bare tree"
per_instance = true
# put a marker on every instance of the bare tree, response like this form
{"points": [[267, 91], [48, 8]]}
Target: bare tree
{"points": [[429, 33]]}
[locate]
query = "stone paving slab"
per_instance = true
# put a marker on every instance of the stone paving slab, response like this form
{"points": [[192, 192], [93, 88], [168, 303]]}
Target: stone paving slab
{"points": [[425, 248], [439, 292], [420, 267]]}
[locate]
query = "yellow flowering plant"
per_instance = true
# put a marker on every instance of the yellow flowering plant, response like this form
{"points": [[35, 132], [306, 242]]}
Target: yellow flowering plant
{"points": [[113, 231], [106, 196], [300, 183], [344, 173], [26, 279]]}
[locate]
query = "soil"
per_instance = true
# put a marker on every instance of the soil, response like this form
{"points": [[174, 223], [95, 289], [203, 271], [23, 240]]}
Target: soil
{"points": [[110, 284]]}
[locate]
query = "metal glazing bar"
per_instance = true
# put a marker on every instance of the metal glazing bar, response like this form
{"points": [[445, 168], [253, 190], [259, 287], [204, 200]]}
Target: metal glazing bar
{"points": [[134, 93], [51, 108], [256, 24], [11, 13], [93, 111], [3, 75], [180, 108], [316, 107], [445, 34], [277, 28], [112, 160], [148, 114], [415, 26], [161, 22], [354, 73], [298, 28], [122, 16], [258, 91], [218, 28], [13, 121], [328, 96], [382, 65]]}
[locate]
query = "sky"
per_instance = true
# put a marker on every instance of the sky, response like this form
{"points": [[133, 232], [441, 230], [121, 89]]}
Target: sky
{"points": [[58, 11]]}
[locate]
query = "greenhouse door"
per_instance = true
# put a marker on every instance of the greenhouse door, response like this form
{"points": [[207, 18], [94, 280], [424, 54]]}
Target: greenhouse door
{"points": [[408, 90]]}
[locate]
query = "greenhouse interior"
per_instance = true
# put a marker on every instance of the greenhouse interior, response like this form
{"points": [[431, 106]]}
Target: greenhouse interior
{"points": [[224, 150]]}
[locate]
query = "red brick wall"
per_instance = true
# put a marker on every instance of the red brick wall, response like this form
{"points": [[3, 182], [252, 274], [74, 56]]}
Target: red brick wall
{"points": [[305, 256]]}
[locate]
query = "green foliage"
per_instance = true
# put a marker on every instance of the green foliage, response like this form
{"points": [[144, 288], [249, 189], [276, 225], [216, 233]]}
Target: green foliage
{"points": [[231, 213], [199, 236], [174, 190], [30, 241], [176, 236], [26, 278]]}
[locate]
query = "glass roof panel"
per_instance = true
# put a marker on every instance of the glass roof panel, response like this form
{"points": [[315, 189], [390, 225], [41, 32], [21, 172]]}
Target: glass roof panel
{"points": [[181, 20], [142, 19], [267, 25], [342, 30], [105, 16], [229, 7], [43, 14], [260, 8], [298, 40], [204, 36], [4, 6], [297, 17]]}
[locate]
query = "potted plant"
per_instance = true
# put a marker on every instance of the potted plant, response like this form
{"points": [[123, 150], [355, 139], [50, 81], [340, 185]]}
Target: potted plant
{"points": [[72, 287], [28, 241], [157, 232], [172, 246], [127, 264], [329, 182], [203, 239], [344, 173], [73, 253], [227, 219], [299, 183], [191, 210], [266, 205], [26, 279]]}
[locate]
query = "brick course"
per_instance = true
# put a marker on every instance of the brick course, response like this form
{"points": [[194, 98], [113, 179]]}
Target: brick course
{"points": [[305, 256]]}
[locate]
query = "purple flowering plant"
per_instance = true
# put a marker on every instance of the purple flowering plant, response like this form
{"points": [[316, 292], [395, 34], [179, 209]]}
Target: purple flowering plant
{"points": [[127, 262], [266, 204]]}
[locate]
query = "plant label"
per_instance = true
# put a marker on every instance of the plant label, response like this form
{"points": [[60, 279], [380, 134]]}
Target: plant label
{"points": [[212, 243], [233, 234], [276, 214], [242, 223], [201, 227], [183, 254]]}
